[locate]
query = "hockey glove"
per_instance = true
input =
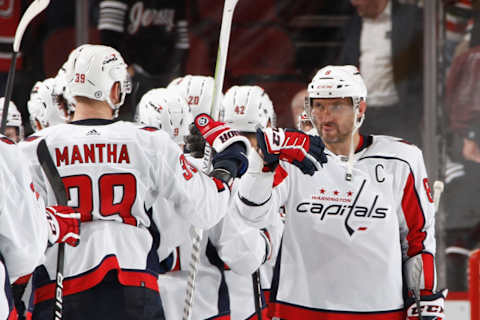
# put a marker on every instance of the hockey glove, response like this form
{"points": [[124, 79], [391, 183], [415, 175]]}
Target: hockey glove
{"points": [[230, 146], [300, 149], [64, 225], [194, 142], [431, 306]]}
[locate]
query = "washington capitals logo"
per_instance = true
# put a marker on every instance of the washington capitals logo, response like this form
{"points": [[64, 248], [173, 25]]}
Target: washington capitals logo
{"points": [[357, 217]]}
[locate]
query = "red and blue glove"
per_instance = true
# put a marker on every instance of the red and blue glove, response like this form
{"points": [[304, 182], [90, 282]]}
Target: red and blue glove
{"points": [[300, 149], [432, 306], [64, 225], [231, 147]]}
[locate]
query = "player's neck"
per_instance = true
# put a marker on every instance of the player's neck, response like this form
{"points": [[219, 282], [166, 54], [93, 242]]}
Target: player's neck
{"points": [[343, 148], [95, 110]]}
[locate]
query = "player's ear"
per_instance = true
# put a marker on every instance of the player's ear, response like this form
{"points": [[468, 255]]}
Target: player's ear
{"points": [[362, 107], [115, 93]]}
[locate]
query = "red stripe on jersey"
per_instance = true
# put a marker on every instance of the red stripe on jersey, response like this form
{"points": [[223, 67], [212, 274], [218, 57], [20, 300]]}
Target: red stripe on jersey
{"points": [[428, 271], [151, 129], [90, 279], [13, 315], [279, 175], [219, 183], [266, 294], [177, 261], [6, 140], [23, 280], [290, 312], [414, 218]]}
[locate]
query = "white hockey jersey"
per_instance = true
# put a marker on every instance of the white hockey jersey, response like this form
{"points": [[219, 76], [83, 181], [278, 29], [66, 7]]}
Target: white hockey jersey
{"points": [[230, 252], [23, 225], [345, 242], [114, 172]]}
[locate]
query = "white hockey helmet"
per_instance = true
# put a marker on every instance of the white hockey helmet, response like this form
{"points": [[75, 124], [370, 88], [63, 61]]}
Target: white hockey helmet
{"points": [[302, 118], [62, 90], [44, 107], [244, 108], [167, 110], [93, 71], [14, 118], [197, 91], [340, 82], [270, 113], [337, 82], [61, 87]]}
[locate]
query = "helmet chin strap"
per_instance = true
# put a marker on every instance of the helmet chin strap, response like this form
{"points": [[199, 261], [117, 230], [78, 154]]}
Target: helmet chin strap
{"points": [[357, 123]]}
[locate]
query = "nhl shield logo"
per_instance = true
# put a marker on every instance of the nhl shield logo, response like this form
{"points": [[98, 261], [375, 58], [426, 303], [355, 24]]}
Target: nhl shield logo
{"points": [[203, 121]]}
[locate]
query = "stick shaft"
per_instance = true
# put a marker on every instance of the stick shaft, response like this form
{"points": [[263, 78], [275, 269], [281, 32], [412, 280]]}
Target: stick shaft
{"points": [[8, 91], [58, 187], [257, 294]]}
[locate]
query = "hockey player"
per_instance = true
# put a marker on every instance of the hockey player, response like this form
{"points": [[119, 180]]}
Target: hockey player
{"points": [[198, 92], [14, 127], [356, 229], [45, 107], [24, 230], [229, 245], [165, 109], [247, 108], [304, 123], [113, 172]]}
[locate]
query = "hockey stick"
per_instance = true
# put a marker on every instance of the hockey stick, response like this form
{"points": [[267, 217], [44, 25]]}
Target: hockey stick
{"points": [[221, 64], [438, 187], [32, 11], [61, 196], [257, 293]]}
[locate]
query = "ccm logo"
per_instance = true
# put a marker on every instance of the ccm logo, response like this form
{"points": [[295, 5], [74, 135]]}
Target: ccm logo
{"points": [[227, 135]]}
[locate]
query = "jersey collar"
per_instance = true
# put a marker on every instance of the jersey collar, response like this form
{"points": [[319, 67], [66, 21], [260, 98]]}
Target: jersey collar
{"points": [[92, 122], [365, 142]]}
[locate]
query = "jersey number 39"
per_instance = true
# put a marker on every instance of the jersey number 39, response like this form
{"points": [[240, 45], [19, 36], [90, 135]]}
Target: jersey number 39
{"points": [[116, 194]]}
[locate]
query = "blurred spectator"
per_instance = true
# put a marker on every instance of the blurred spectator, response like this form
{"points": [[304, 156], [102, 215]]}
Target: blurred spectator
{"points": [[10, 14], [463, 172], [152, 36], [29, 61], [298, 105], [385, 40], [458, 23]]}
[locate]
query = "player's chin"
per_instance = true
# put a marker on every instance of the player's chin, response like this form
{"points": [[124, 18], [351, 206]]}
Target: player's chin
{"points": [[329, 138]]}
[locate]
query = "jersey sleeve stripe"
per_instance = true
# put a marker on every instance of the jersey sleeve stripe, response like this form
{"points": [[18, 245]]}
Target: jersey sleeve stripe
{"points": [[285, 310], [279, 175], [428, 271], [89, 279], [253, 204], [414, 217]]}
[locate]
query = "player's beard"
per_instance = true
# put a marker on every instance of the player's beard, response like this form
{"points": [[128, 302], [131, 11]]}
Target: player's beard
{"points": [[336, 135]]}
